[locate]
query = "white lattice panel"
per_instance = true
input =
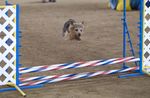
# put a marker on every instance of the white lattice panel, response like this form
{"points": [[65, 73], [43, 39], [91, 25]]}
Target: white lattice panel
{"points": [[7, 44], [146, 37]]}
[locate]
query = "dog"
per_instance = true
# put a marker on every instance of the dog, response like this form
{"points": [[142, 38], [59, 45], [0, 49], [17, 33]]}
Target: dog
{"points": [[73, 30]]}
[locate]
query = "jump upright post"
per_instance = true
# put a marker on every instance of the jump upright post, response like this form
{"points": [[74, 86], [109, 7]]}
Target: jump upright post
{"points": [[127, 39], [9, 46], [11, 73], [145, 37]]}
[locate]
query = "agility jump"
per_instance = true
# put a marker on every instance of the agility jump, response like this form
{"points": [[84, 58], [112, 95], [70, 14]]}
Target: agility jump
{"points": [[11, 72]]}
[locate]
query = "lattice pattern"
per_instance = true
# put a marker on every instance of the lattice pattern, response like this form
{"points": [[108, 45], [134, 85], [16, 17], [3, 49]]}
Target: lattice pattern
{"points": [[146, 37], [7, 44]]}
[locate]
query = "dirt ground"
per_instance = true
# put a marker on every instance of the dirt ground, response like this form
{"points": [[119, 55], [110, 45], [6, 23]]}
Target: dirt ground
{"points": [[41, 26]]}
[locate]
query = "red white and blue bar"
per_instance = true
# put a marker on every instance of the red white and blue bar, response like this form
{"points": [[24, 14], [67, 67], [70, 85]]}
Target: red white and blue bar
{"points": [[77, 65], [56, 78]]}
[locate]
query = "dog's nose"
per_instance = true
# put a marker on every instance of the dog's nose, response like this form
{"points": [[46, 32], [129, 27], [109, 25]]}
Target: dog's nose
{"points": [[79, 34]]}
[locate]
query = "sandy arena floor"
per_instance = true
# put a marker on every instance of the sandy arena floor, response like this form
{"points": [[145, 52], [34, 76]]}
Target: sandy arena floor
{"points": [[43, 44]]}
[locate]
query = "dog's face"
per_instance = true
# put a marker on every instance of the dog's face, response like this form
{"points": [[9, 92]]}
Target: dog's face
{"points": [[78, 29]]}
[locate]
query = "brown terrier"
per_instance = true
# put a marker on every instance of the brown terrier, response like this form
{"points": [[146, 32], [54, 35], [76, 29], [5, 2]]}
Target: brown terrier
{"points": [[73, 30]]}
